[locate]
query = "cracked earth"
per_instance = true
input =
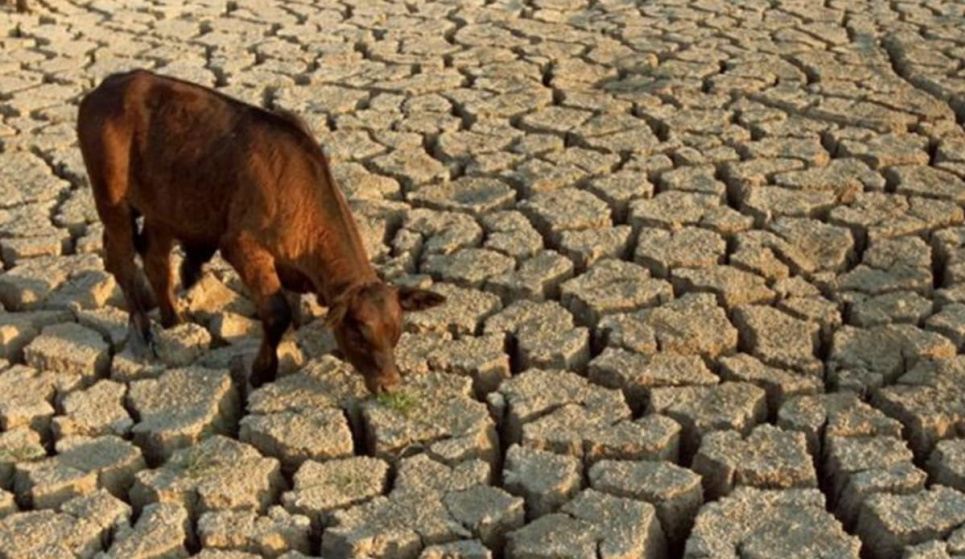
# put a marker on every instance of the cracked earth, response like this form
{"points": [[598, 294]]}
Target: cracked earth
{"points": [[704, 262]]}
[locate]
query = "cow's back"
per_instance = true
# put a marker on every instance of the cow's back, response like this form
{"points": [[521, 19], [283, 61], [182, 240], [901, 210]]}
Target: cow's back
{"points": [[192, 153], [204, 167]]}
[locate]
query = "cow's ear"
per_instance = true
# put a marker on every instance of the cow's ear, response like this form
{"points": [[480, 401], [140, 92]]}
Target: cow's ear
{"points": [[414, 299]]}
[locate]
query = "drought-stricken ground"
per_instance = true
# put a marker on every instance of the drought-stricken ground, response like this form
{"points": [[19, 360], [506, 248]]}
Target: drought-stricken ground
{"points": [[704, 261]]}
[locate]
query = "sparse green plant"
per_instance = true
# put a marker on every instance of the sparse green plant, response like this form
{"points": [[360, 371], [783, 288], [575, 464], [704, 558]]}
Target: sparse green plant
{"points": [[402, 401], [197, 463], [347, 479], [21, 453]]}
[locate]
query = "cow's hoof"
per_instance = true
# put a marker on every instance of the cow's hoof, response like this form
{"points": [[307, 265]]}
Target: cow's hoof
{"points": [[258, 380], [142, 344], [263, 373], [169, 321]]}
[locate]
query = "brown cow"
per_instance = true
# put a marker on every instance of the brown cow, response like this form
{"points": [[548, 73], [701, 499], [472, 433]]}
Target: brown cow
{"points": [[22, 6], [213, 173]]}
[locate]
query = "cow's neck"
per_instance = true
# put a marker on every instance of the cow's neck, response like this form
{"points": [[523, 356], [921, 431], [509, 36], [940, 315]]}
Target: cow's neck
{"points": [[333, 286], [337, 261]]}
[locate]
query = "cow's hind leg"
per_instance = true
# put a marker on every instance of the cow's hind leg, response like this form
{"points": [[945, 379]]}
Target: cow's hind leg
{"points": [[119, 261], [157, 265], [195, 257], [105, 147], [256, 267]]}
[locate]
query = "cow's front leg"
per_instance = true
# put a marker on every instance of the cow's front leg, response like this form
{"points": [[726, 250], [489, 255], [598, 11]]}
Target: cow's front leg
{"points": [[276, 317], [256, 267]]}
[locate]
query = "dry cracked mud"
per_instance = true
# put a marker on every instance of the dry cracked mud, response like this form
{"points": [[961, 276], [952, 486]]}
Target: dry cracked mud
{"points": [[704, 262]]}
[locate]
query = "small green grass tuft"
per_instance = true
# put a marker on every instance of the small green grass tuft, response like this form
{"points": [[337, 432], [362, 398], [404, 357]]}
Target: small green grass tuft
{"points": [[22, 453], [347, 480], [402, 401], [198, 463]]}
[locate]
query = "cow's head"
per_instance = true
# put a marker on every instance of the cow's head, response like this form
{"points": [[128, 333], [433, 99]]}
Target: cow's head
{"points": [[367, 322]]}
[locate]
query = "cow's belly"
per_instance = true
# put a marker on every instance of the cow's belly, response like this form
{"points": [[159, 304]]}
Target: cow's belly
{"points": [[198, 230], [179, 211]]}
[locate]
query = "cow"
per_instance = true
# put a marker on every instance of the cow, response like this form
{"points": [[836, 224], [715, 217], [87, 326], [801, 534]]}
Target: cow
{"points": [[213, 173], [22, 6]]}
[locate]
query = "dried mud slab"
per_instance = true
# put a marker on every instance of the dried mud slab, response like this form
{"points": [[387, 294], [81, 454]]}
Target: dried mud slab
{"points": [[691, 252], [769, 523], [217, 474], [593, 523], [768, 458], [563, 413], [888, 523], [180, 408]]}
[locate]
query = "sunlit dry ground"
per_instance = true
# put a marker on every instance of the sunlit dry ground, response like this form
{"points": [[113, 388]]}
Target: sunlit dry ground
{"points": [[704, 261]]}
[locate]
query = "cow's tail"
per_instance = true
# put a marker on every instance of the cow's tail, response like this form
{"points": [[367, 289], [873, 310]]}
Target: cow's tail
{"points": [[140, 240]]}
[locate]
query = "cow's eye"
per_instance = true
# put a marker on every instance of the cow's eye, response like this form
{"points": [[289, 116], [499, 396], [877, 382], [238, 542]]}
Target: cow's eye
{"points": [[365, 330], [352, 333], [358, 334]]}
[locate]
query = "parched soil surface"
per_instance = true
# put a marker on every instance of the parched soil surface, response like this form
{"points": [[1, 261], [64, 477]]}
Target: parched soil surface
{"points": [[704, 263]]}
